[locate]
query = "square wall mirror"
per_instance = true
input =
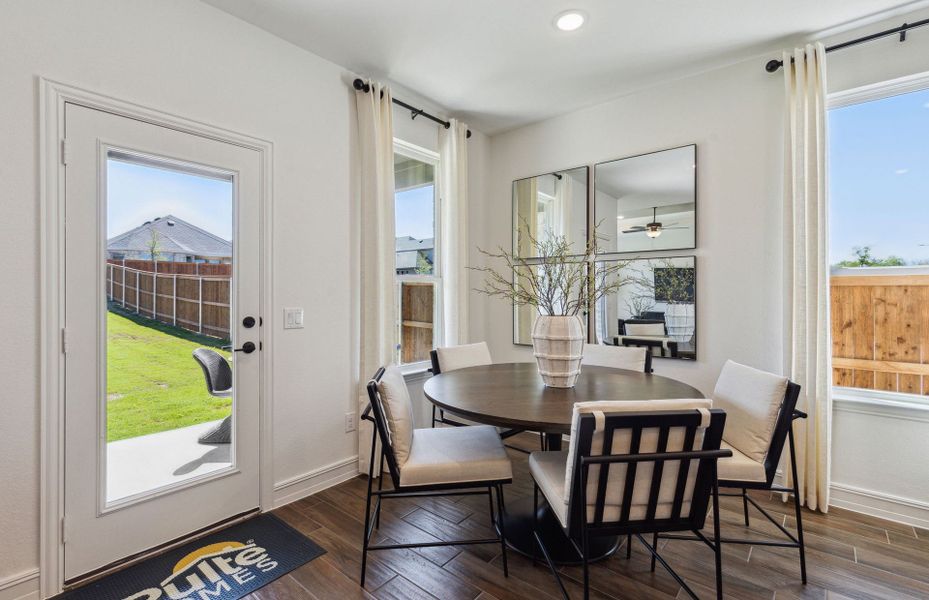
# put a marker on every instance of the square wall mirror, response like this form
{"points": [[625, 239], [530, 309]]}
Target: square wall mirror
{"points": [[550, 205], [647, 202], [654, 309]]}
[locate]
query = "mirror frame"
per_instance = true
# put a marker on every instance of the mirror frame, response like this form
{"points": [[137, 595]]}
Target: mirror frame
{"points": [[592, 204]]}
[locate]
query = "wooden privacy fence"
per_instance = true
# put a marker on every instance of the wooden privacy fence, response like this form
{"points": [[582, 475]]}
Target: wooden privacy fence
{"points": [[880, 332], [189, 295], [417, 302]]}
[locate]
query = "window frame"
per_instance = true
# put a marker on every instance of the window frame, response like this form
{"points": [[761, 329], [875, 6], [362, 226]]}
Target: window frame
{"points": [[408, 150], [882, 399]]}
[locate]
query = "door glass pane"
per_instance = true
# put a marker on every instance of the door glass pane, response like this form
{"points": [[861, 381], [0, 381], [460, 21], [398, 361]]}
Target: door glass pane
{"points": [[168, 404]]}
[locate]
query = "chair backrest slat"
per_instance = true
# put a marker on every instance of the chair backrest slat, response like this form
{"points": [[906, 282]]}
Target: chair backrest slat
{"points": [[682, 473], [603, 473], [630, 474], [657, 471]]}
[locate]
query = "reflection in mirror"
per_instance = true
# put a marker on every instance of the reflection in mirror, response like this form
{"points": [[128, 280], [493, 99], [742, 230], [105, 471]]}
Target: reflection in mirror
{"points": [[647, 202], [545, 206], [655, 310]]}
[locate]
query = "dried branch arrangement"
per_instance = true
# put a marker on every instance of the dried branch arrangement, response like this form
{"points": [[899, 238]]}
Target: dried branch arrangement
{"points": [[555, 281]]}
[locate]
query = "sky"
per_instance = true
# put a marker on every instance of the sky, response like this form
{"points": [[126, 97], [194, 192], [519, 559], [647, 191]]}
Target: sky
{"points": [[137, 193], [879, 177], [415, 213]]}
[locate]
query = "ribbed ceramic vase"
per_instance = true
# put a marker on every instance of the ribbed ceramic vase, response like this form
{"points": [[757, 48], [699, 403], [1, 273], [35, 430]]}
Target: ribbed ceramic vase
{"points": [[558, 344]]}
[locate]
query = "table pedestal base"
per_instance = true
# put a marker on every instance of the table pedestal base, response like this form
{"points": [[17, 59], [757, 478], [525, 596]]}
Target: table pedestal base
{"points": [[519, 535]]}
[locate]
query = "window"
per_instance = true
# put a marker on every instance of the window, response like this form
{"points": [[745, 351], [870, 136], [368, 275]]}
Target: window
{"points": [[417, 250], [879, 242]]}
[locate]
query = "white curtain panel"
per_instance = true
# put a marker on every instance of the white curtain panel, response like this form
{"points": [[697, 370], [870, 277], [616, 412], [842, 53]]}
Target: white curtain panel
{"points": [[378, 329], [808, 350], [453, 192]]}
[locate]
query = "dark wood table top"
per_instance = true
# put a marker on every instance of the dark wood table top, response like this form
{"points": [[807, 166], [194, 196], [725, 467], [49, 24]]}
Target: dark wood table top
{"points": [[512, 395]]}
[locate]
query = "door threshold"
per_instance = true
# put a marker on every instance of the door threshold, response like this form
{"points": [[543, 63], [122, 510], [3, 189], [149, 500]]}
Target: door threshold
{"points": [[134, 559]]}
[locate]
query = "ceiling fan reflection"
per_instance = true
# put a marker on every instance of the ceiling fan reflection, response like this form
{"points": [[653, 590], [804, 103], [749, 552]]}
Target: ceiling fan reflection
{"points": [[654, 228]]}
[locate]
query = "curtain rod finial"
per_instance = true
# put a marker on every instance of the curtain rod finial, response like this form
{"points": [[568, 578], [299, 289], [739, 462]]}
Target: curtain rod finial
{"points": [[773, 65], [359, 85]]}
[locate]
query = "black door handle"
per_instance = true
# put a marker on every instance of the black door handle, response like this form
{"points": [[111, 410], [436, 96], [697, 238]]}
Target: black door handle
{"points": [[247, 347]]}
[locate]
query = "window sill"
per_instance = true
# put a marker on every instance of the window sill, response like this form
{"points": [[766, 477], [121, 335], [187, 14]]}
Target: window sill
{"points": [[416, 371], [881, 404]]}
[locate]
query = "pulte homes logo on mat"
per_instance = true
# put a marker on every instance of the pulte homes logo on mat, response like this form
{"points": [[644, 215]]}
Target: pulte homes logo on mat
{"points": [[213, 571]]}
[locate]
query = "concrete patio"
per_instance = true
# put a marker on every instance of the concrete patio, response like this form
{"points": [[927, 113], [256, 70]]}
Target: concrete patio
{"points": [[148, 462]]}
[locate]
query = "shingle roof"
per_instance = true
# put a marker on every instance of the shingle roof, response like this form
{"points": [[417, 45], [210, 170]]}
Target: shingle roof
{"points": [[174, 236], [408, 244]]}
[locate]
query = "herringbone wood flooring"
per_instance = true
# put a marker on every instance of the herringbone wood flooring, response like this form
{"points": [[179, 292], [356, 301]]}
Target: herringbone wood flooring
{"points": [[848, 555]]}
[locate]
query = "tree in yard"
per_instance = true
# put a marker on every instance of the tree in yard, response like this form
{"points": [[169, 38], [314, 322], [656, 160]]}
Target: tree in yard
{"points": [[863, 258], [154, 244], [423, 266]]}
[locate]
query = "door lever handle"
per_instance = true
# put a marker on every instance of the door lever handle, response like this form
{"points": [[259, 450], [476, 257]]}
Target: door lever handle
{"points": [[247, 347]]}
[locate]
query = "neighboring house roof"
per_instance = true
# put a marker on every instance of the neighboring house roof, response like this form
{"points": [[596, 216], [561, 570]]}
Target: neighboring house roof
{"points": [[174, 236], [409, 249], [408, 244]]}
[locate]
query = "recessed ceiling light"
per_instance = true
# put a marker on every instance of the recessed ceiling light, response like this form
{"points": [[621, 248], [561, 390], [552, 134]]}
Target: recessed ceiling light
{"points": [[620, 217], [570, 20]]}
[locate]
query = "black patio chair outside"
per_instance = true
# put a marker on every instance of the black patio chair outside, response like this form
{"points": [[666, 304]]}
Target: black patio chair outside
{"points": [[218, 377]]}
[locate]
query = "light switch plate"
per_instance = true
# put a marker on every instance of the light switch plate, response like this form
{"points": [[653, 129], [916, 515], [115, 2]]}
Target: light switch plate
{"points": [[293, 318]]}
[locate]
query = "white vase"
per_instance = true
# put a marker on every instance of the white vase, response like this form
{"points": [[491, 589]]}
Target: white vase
{"points": [[558, 345]]}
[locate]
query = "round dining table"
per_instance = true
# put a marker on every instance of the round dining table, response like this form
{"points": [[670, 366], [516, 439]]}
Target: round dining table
{"points": [[512, 396]]}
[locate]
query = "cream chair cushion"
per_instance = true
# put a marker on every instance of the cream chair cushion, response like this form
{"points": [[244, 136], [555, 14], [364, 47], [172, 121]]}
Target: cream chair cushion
{"points": [[548, 471], [645, 329], [460, 357], [739, 467], [398, 410], [456, 455], [617, 357], [752, 400]]}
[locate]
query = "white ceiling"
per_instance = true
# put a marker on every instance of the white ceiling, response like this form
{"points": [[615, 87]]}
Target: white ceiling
{"points": [[500, 64]]}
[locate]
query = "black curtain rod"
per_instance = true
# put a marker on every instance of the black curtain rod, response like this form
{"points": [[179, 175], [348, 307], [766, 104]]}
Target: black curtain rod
{"points": [[773, 65], [360, 85]]}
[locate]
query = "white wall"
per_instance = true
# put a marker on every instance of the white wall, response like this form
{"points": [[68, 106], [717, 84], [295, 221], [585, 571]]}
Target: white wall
{"points": [[735, 116], [187, 58]]}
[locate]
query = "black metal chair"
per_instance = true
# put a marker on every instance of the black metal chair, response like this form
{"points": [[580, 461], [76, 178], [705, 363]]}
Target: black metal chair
{"points": [[468, 355], [446, 461], [456, 357], [218, 377], [742, 391], [744, 472], [633, 473]]}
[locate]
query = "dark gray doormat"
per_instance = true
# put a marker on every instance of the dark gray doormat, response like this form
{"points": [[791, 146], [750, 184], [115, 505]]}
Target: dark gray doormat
{"points": [[226, 565]]}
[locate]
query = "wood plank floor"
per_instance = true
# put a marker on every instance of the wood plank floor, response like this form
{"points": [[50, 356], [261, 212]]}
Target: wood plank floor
{"points": [[848, 555]]}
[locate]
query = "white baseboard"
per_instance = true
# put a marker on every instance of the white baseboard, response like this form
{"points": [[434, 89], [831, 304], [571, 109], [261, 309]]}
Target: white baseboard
{"points": [[878, 504], [301, 486], [24, 586]]}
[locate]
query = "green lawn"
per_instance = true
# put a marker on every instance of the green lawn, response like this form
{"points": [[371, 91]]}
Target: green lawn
{"points": [[153, 382]]}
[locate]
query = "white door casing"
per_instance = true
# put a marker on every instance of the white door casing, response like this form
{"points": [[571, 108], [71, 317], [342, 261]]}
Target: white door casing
{"points": [[97, 534]]}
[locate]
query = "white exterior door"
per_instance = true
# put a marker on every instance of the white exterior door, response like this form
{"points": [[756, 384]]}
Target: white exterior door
{"points": [[137, 473]]}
